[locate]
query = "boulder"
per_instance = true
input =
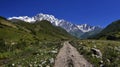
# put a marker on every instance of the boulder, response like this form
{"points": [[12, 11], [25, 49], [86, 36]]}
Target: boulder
{"points": [[96, 52]]}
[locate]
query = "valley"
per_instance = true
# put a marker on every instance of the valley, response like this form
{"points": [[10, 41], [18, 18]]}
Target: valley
{"points": [[42, 44], [59, 33]]}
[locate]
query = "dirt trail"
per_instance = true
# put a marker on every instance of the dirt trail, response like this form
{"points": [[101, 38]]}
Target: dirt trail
{"points": [[70, 57]]}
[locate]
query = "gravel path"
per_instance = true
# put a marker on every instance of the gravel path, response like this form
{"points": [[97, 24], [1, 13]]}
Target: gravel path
{"points": [[70, 57]]}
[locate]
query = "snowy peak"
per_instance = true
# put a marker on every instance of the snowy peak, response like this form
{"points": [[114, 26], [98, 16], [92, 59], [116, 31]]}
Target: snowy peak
{"points": [[38, 17], [86, 27], [24, 18], [47, 17], [57, 22]]}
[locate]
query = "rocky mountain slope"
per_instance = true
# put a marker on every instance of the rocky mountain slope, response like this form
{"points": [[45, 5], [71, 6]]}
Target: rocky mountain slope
{"points": [[76, 30]]}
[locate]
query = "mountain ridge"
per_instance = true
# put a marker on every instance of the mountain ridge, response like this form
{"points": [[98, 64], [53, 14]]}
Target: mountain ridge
{"points": [[111, 32], [68, 26]]}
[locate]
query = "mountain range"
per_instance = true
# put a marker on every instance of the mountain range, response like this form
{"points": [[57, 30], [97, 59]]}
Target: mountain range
{"points": [[32, 43], [80, 31]]}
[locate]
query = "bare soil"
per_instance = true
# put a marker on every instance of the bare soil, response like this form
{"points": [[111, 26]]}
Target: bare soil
{"points": [[70, 57]]}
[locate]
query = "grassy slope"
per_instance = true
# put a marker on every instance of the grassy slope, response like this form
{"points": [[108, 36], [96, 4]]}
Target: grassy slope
{"points": [[110, 51], [45, 30], [111, 32], [26, 44]]}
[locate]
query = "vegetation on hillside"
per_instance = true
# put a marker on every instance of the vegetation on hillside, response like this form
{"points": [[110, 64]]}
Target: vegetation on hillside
{"points": [[111, 32], [100, 53], [29, 44], [36, 44]]}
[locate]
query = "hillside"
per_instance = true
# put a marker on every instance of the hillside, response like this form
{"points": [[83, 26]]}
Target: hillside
{"points": [[40, 29], [111, 32], [91, 34], [26, 40], [44, 30], [101, 53]]}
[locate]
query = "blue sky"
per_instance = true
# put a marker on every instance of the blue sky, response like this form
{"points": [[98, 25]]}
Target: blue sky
{"points": [[92, 12]]}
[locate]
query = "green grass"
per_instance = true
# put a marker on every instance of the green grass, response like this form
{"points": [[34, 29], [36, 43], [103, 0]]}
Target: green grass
{"points": [[30, 44], [111, 32], [37, 54], [110, 51]]}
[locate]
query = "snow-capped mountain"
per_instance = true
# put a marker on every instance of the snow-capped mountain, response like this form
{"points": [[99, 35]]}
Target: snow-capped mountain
{"points": [[68, 26], [24, 18], [86, 27]]}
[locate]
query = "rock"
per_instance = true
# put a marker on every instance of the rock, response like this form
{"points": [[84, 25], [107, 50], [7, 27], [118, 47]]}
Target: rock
{"points": [[101, 65], [30, 65], [44, 62], [13, 64], [108, 60], [51, 60], [40, 65], [47, 66], [81, 43], [54, 51], [93, 55], [13, 43], [97, 52], [101, 62]]}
